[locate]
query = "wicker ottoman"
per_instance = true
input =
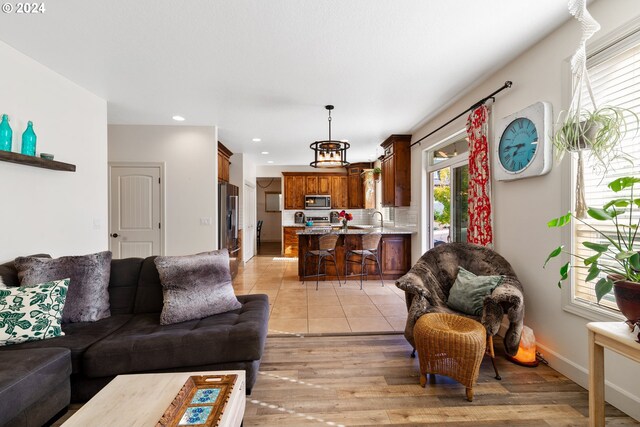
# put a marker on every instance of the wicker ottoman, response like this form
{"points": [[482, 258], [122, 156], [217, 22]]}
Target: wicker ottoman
{"points": [[450, 345]]}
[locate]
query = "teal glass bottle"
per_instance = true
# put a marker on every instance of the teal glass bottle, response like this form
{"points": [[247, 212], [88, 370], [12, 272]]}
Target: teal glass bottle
{"points": [[6, 134], [29, 141]]}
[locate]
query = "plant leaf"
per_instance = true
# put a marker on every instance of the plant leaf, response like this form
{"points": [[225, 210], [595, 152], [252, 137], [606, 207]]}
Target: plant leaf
{"points": [[594, 271], [634, 261], [560, 221], [596, 246], [592, 259], [625, 254], [623, 183], [603, 287], [564, 273], [620, 203], [599, 214], [554, 253]]}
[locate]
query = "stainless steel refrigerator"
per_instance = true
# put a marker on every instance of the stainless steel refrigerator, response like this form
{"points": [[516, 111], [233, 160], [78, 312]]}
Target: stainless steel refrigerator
{"points": [[228, 223]]}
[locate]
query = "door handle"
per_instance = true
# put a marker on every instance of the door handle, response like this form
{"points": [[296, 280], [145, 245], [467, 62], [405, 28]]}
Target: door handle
{"points": [[114, 235]]}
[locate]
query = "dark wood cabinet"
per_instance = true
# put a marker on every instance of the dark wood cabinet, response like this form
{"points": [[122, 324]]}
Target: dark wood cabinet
{"points": [[395, 256], [224, 155], [294, 188], [356, 185], [396, 171], [311, 185], [339, 192], [395, 253], [290, 241]]}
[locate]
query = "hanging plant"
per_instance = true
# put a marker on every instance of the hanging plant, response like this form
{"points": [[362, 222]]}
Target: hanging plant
{"points": [[596, 131]]}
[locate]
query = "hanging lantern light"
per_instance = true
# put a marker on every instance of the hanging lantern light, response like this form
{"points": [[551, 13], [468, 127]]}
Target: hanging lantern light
{"points": [[329, 153]]}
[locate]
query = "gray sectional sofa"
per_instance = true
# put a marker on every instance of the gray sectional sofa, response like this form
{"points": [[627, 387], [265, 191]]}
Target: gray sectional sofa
{"points": [[38, 379]]}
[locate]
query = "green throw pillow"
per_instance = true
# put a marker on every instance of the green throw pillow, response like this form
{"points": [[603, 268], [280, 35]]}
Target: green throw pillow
{"points": [[32, 313], [468, 291]]}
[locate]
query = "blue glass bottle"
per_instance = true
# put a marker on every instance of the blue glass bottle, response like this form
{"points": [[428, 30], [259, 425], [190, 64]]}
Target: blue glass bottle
{"points": [[6, 134], [29, 140]]}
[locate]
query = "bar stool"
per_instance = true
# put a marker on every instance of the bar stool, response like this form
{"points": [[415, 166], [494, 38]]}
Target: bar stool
{"points": [[369, 251], [326, 249]]}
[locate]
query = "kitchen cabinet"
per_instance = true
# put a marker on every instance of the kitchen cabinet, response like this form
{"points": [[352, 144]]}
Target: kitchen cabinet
{"points": [[290, 241], [318, 184], [294, 191], [395, 254], [224, 155], [396, 171], [339, 192], [356, 184]]}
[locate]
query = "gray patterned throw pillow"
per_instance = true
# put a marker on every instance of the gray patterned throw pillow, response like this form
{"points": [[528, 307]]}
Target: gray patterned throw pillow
{"points": [[88, 298], [32, 313], [195, 286]]}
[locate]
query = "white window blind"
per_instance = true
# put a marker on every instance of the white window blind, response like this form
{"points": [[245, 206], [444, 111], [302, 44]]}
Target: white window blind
{"points": [[615, 79]]}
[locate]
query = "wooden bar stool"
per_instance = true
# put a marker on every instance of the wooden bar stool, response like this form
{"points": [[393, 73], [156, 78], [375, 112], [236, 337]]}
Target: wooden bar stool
{"points": [[369, 251], [326, 249]]}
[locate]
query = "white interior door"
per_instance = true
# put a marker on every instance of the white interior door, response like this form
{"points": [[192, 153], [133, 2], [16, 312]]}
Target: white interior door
{"points": [[135, 206], [250, 226]]}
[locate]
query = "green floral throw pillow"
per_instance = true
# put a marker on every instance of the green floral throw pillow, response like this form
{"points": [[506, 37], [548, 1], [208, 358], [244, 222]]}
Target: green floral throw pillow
{"points": [[32, 313]]}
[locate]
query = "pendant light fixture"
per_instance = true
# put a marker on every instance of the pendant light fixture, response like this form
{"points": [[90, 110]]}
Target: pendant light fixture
{"points": [[329, 153]]}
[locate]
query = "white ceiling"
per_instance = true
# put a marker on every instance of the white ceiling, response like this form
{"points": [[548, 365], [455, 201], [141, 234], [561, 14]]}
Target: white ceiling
{"points": [[265, 69]]}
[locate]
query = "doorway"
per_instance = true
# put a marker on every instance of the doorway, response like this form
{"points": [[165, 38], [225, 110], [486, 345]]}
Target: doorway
{"points": [[135, 210], [249, 236], [269, 216], [448, 183]]}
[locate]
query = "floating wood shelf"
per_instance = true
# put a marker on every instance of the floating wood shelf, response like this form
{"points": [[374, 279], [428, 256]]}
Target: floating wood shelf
{"points": [[7, 156]]}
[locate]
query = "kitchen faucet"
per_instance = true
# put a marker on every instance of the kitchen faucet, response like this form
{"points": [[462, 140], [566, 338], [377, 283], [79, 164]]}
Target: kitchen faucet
{"points": [[381, 218]]}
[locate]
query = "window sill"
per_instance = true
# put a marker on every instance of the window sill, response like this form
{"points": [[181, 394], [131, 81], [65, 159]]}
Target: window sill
{"points": [[593, 312]]}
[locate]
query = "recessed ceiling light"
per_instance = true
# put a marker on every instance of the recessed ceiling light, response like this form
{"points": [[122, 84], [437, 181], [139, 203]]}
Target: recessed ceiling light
{"points": [[256, 140], [264, 152], [270, 161], [178, 118]]}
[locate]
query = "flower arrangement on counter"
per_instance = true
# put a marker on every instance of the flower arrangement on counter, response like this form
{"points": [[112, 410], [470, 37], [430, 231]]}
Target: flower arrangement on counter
{"points": [[345, 218]]}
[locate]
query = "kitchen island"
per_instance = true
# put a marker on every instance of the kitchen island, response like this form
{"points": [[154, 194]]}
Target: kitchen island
{"points": [[394, 251]]}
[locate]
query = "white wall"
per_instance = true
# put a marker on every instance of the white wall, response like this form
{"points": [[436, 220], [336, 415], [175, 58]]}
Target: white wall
{"points": [[61, 213], [522, 208], [248, 179], [275, 171], [272, 226], [191, 191]]}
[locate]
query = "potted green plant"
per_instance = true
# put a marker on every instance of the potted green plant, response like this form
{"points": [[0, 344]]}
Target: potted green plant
{"points": [[376, 173], [597, 132], [615, 262]]}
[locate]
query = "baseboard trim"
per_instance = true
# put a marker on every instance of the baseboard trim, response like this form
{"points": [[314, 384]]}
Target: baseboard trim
{"points": [[615, 395]]}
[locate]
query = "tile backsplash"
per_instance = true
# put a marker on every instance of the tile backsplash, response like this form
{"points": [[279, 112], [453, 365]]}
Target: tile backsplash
{"points": [[360, 216]]}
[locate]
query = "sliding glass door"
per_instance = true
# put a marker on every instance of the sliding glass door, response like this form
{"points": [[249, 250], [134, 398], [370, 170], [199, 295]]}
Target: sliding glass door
{"points": [[448, 174]]}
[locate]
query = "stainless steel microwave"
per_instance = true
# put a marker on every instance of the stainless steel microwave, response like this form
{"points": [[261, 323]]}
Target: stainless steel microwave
{"points": [[317, 201]]}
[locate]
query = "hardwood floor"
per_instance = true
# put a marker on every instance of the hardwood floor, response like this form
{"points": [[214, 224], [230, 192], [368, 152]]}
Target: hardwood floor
{"points": [[372, 381]]}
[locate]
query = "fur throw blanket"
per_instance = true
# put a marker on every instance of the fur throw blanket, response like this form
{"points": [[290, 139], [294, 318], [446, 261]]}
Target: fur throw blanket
{"points": [[428, 282]]}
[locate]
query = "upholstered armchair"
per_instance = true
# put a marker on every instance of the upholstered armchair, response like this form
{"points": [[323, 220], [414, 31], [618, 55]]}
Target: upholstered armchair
{"points": [[428, 282]]}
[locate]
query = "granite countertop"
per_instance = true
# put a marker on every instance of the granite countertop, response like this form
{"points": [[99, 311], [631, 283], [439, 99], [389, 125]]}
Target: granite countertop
{"points": [[387, 229]]}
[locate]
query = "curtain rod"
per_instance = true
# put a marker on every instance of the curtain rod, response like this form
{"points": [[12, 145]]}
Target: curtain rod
{"points": [[506, 85]]}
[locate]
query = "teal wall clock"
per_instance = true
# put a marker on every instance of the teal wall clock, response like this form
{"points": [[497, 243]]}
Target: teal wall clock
{"points": [[523, 145]]}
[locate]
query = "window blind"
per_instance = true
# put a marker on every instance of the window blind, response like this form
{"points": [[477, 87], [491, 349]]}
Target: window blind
{"points": [[615, 80]]}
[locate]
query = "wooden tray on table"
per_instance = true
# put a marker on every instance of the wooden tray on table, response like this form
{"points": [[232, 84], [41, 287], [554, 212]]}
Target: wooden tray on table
{"points": [[200, 402]]}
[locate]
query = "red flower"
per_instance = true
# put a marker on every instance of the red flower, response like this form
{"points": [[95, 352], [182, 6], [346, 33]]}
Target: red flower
{"points": [[342, 214], [349, 217]]}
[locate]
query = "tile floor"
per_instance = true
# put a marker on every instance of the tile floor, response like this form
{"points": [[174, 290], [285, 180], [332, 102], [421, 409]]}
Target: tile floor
{"points": [[297, 308]]}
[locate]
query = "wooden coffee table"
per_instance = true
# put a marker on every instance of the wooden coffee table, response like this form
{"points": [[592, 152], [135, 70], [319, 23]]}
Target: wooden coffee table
{"points": [[140, 400]]}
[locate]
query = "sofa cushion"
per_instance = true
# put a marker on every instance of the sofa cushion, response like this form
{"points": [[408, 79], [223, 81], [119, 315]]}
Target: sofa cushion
{"points": [[195, 286], [123, 283], [149, 292], [143, 345], [32, 313], [78, 337], [88, 296], [27, 376]]}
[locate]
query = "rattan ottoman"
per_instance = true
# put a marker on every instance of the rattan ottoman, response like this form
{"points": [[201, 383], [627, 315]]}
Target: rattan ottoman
{"points": [[450, 345]]}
